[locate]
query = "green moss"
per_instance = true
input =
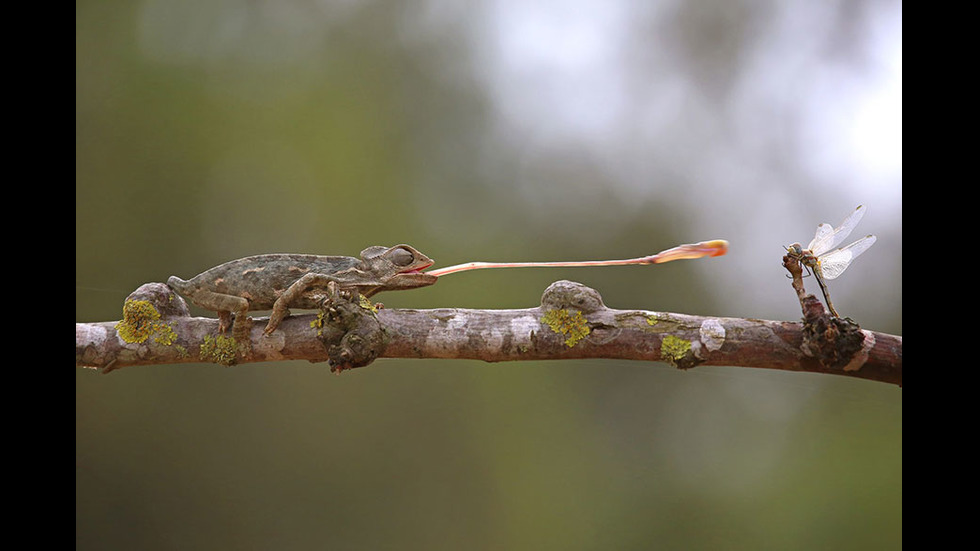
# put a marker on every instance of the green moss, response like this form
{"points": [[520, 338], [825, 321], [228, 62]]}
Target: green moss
{"points": [[220, 350], [673, 349], [574, 326]]}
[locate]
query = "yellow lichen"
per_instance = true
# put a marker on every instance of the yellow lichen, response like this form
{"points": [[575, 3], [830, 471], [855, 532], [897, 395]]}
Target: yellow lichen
{"points": [[139, 321], [165, 334], [317, 323], [574, 326], [363, 302], [673, 349], [220, 350], [142, 320]]}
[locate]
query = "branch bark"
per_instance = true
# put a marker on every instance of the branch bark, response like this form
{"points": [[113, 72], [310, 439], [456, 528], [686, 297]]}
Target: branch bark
{"points": [[571, 323]]}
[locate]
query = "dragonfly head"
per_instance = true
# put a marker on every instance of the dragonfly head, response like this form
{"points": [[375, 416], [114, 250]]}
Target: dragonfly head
{"points": [[795, 249]]}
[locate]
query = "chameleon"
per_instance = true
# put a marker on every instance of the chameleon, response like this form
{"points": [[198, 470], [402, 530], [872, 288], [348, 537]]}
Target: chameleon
{"points": [[281, 281]]}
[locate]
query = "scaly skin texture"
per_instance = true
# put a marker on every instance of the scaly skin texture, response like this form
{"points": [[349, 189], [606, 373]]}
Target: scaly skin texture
{"points": [[281, 281]]}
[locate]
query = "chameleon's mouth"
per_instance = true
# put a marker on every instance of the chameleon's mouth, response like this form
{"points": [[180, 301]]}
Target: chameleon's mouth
{"points": [[417, 270]]}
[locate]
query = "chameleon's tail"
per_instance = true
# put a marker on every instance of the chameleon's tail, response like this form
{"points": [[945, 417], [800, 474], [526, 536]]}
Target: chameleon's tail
{"points": [[177, 284]]}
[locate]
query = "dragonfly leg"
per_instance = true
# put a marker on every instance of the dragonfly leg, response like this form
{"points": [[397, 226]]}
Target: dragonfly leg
{"points": [[826, 297]]}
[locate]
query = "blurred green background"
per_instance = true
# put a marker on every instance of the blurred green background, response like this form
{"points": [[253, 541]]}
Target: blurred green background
{"points": [[492, 130]]}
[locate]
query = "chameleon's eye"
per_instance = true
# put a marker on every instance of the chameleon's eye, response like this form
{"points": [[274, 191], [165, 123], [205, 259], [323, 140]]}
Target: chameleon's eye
{"points": [[401, 257]]}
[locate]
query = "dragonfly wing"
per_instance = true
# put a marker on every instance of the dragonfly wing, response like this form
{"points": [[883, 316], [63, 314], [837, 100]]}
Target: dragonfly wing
{"points": [[827, 238], [834, 263], [825, 233]]}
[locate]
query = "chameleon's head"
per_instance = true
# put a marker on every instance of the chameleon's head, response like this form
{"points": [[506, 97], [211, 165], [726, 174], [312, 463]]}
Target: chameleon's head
{"points": [[400, 259]]}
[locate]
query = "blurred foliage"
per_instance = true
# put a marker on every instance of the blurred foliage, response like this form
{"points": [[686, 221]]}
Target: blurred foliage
{"points": [[207, 131]]}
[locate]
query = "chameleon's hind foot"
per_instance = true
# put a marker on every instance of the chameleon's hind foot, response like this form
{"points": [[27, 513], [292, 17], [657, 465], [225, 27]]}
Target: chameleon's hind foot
{"points": [[224, 321], [241, 331]]}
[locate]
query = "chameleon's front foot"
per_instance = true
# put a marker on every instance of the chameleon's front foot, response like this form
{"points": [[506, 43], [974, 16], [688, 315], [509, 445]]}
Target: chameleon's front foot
{"points": [[278, 314]]}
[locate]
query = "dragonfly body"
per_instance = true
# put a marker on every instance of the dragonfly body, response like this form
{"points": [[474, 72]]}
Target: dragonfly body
{"points": [[823, 260]]}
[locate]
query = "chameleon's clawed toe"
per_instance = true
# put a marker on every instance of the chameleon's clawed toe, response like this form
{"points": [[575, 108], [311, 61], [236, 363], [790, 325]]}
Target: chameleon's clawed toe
{"points": [[224, 321], [242, 327]]}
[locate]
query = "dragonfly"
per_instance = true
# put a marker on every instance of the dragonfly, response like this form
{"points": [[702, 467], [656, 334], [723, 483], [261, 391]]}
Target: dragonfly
{"points": [[823, 260]]}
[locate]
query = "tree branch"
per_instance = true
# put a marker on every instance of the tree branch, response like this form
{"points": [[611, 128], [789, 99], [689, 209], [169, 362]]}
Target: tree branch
{"points": [[571, 323]]}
